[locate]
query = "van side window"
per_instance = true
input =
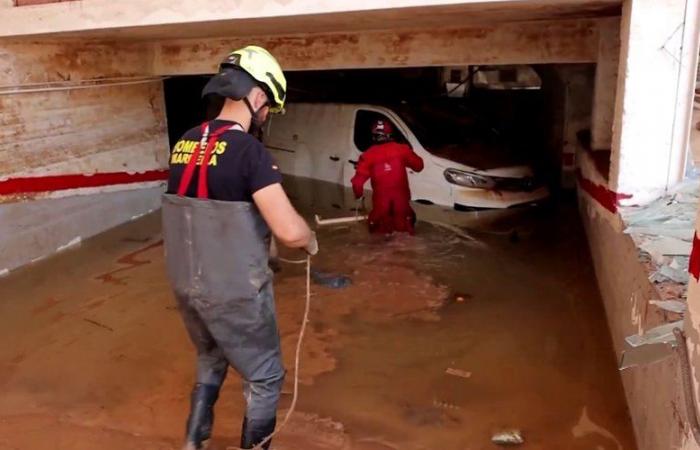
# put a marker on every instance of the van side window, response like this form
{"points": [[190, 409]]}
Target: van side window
{"points": [[363, 129]]}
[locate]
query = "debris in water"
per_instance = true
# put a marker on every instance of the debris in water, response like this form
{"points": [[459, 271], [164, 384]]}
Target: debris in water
{"points": [[664, 231], [509, 437], [670, 273], [101, 325], [330, 280], [457, 231], [674, 306], [445, 405], [662, 334], [645, 355], [458, 373], [461, 298]]}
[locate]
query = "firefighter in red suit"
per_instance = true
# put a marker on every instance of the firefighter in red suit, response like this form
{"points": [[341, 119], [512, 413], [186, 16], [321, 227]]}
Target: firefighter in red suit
{"points": [[385, 164]]}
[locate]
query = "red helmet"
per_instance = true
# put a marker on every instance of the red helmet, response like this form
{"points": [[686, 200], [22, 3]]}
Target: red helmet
{"points": [[382, 127]]}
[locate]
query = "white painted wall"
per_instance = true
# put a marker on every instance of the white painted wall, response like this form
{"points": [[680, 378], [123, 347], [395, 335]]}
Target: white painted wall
{"points": [[648, 149]]}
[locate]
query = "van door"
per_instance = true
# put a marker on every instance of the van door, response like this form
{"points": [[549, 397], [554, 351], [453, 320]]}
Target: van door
{"points": [[285, 141]]}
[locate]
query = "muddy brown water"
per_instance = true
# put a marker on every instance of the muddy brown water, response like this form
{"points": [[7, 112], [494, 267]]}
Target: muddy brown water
{"points": [[440, 342]]}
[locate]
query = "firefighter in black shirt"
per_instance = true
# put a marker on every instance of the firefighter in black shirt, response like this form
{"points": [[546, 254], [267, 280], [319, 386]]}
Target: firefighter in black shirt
{"points": [[224, 200]]}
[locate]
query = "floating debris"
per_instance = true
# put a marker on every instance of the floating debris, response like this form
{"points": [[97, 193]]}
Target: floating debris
{"points": [[458, 373], [508, 438], [330, 280], [445, 405], [461, 298]]}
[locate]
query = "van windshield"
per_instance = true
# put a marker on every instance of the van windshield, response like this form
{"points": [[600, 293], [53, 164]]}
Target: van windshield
{"points": [[436, 126], [456, 135], [419, 127]]}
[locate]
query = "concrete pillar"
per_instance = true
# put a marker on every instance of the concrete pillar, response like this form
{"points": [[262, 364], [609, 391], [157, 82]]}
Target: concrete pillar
{"points": [[658, 53], [577, 81], [605, 84]]}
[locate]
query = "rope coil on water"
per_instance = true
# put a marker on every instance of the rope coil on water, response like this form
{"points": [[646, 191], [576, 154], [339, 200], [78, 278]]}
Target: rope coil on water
{"points": [[297, 357]]}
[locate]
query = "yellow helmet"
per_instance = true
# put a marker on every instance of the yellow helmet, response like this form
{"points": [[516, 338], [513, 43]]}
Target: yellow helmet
{"points": [[261, 66]]}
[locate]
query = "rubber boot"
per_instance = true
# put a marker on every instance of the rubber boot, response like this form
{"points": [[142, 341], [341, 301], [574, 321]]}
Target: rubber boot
{"points": [[201, 419], [255, 431]]}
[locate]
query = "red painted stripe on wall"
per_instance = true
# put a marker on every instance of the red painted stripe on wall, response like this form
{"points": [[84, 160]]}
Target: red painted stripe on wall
{"points": [[694, 266], [608, 199], [29, 185]]}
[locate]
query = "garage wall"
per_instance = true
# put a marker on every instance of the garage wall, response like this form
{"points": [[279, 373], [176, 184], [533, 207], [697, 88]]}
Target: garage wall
{"points": [[653, 391], [81, 121], [110, 136]]}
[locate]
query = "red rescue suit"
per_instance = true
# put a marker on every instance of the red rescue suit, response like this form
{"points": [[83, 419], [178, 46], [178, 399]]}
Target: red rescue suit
{"points": [[385, 164]]}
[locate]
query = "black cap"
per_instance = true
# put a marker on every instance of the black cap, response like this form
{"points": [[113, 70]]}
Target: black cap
{"points": [[230, 83]]}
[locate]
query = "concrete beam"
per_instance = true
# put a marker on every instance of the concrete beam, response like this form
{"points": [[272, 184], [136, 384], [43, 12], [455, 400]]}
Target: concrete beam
{"points": [[605, 84], [147, 19], [569, 41], [654, 89]]}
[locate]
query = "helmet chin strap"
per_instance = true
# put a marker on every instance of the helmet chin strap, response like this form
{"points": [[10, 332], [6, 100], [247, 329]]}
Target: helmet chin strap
{"points": [[255, 123], [253, 113]]}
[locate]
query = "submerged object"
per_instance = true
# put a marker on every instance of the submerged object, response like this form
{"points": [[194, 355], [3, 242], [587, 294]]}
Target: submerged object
{"points": [[330, 280], [339, 220], [508, 438]]}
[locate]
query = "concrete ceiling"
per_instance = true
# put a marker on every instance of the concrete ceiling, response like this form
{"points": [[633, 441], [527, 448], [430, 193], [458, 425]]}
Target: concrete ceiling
{"points": [[440, 16]]}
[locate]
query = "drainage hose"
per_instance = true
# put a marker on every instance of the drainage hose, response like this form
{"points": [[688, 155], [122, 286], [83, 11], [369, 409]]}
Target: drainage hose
{"points": [[687, 376]]}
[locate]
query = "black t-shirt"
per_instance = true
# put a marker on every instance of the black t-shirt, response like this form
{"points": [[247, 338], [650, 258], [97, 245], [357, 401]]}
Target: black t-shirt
{"points": [[239, 165]]}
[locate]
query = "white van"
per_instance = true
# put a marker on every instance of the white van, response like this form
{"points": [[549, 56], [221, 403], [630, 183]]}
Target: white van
{"points": [[323, 141]]}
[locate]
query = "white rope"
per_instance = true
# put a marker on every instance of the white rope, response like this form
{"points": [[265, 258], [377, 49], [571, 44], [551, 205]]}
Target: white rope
{"points": [[297, 356]]}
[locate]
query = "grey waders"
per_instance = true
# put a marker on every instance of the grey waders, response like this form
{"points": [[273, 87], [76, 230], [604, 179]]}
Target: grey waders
{"points": [[217, 261]]}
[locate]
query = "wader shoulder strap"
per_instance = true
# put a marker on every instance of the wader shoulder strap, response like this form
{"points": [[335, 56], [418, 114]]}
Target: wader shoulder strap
{"points": [[208, 142]]}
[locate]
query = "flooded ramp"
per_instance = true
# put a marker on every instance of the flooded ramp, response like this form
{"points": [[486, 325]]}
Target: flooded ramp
{"points": [[439, 342]]}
